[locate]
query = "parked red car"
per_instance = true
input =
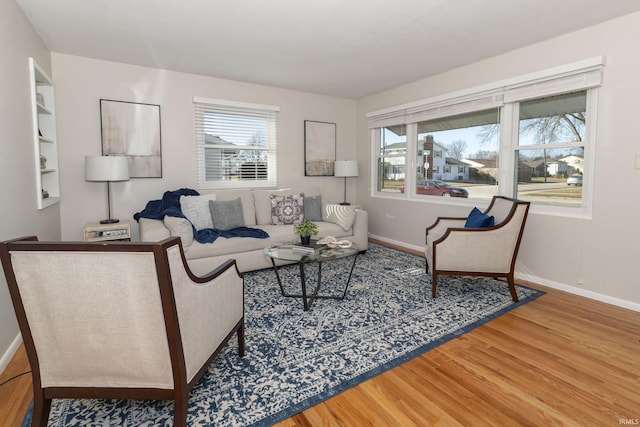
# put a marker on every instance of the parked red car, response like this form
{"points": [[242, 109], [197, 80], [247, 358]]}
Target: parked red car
{"points": [[436, 187]]}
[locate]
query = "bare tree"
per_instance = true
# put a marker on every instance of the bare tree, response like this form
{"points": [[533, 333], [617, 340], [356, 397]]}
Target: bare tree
{"points": [[554, 128], [489, 133], [550, 129], [485, 154], [257, 140], [456, 149], [544, 129]]}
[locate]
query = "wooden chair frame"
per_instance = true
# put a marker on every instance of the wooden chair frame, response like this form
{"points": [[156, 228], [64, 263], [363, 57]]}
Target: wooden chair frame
{"points": [[459, 228], [180, 392]]}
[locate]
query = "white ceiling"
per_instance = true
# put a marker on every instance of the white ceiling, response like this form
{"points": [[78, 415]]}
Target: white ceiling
{"points": [[344, 48]]}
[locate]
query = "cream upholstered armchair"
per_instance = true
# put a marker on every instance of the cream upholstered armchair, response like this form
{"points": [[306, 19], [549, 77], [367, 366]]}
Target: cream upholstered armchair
{"points": [[452, 249], [119, 320]]}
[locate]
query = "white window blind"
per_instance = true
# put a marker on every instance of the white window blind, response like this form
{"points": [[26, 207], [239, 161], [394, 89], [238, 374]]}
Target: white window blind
{"points": [[235, 144], [567, 78], [585, 79]]}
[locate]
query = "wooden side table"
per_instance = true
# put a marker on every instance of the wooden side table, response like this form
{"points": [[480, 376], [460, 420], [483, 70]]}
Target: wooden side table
{"points": [[96, 232]]}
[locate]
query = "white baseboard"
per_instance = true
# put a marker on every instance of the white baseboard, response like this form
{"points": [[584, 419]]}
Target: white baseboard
{"points": [[581, 292], [397, 243], [8, 355], [544, 282]]}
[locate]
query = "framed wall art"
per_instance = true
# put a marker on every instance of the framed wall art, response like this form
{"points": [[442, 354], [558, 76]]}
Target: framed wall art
{"points": [[319, 148], [132, 129]]}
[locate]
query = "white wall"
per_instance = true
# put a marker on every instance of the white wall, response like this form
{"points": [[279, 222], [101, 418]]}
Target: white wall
{"points": [[80, 84], [19, 214], [602, 251], [599, 251]]}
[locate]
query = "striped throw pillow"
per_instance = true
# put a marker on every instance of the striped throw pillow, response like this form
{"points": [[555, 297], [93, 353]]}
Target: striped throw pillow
{"points": [[342, 215]]}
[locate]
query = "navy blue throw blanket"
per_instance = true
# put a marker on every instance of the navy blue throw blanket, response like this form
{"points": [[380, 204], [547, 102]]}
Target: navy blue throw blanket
{"points": [[169, 205]]}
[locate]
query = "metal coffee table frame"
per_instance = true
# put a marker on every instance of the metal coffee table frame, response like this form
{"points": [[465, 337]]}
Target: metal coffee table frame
{"points": [[302, 259]]}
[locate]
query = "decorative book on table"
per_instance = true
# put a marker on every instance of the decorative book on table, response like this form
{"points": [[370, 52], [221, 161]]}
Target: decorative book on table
{"points": [[311, 248], [108, 233]]}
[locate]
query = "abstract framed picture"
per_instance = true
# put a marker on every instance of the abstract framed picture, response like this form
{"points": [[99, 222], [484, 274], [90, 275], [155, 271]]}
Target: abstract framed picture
{"points": [[319, 148], [133, 129]]}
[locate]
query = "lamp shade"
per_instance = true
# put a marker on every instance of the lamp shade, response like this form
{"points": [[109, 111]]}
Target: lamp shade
{"points": [[345, 168], [106, 168]]}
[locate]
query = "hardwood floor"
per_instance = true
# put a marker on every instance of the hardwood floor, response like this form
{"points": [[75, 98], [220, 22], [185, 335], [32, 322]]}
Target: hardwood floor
{"points": [[559, 360], [15, 395]]}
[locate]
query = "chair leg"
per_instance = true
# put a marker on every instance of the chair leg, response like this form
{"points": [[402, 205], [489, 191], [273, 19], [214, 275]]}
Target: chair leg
{"points": [[180, 410], [426, 266], [434, 283], [41, 409], [512, 287], [241, 339]]}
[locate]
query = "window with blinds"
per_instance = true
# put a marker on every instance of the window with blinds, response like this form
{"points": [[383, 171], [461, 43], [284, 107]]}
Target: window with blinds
{"points": [[235, 143], [529, 137]]}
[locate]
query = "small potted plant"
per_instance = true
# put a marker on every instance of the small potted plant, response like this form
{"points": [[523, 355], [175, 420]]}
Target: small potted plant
{"points": [[305, 230]]}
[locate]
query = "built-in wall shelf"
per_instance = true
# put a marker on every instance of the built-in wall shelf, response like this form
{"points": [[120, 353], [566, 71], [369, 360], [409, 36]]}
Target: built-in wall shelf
{"points": [[44, 137]]}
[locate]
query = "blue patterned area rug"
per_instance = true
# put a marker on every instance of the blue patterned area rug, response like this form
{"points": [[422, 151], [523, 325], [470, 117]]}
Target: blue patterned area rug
{"points": [[295, 359]]}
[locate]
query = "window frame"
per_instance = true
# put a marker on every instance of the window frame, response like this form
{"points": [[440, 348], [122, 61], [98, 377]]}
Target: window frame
{"points": [[268, 112], [506, 95], [509, 146]]}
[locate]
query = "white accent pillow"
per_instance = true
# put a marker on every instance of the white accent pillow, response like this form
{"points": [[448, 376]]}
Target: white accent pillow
{"points": [[196, 209], [342, 215], [180, 227]]}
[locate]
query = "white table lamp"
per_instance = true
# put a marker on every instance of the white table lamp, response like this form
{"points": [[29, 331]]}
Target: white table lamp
{"points": [[345, 169], [106, 169]]}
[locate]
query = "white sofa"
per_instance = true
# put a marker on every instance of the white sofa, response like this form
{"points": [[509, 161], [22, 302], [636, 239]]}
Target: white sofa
{"points": [[248, 251]]}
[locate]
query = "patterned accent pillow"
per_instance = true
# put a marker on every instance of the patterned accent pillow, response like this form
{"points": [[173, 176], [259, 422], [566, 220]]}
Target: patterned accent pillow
{"points": [[196, 209], [180, 227], [342, 215], [287, 209]]}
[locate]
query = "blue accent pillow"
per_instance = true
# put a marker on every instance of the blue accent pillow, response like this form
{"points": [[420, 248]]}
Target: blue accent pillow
{"points": [[477, 219]]}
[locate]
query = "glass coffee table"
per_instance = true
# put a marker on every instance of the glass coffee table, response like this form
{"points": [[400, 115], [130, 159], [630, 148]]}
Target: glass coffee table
{"points": [[286, 252]]}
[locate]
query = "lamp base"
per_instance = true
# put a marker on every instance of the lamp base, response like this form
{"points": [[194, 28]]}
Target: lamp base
{"points": [[345, 203], [109, 221]]}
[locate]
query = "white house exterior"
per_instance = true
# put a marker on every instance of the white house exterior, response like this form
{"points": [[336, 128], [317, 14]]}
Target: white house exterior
{"points": [[558, 168], [394, 163], [576, 162], [453, 170], [432, 163]]}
